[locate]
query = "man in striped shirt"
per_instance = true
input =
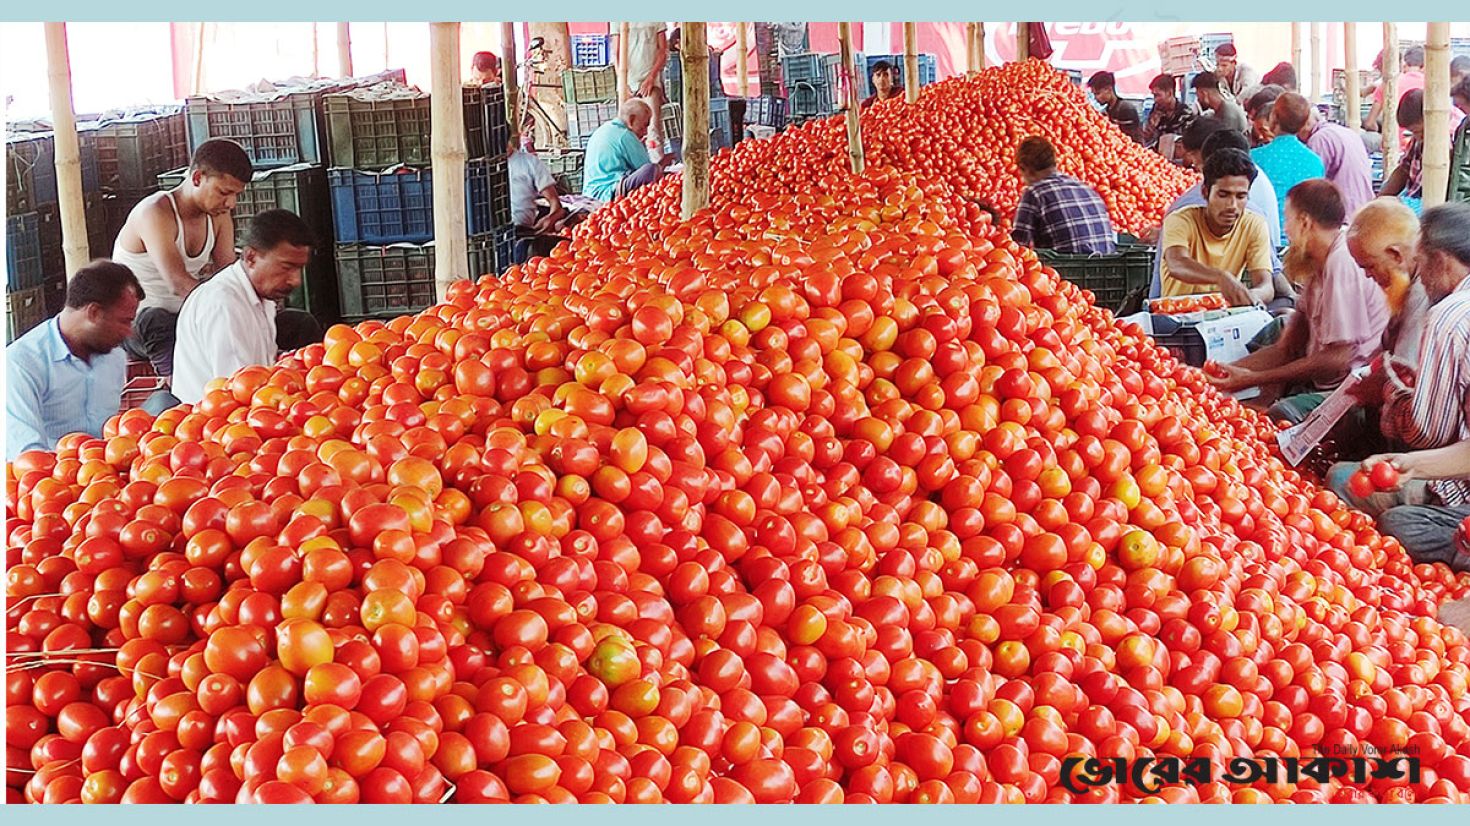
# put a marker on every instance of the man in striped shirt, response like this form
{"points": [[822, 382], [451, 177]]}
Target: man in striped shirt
{"points": [[1058, 212], [1430, 407]]}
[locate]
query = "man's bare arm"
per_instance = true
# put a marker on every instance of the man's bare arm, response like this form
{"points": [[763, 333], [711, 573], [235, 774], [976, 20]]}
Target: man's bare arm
{"points": [[159, 233]]}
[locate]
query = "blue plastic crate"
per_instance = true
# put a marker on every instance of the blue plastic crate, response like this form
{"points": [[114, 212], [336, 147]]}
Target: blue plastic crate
{"points": [[397, 206], [766, 110], [721, 134], [22, 251], [590, 50]]}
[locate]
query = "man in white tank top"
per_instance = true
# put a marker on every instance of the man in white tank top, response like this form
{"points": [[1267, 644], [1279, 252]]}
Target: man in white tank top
{"points": [[174, 239]]}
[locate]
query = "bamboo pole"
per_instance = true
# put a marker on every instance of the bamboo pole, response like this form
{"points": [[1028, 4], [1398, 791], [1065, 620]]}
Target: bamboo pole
{"points": [[849, 99], [1351, 95], [387, 61], [1389, 126], [509, 77], [1436, 114], [344, 49], [446, 138], [980, 46], [1316, 70], [969, 48], [694, 53], [1296, 49], [316, 51], [197, 82], [742, 58], [68, 150], [623, 91], [1023, 42], [911, 61], [557, 45]]}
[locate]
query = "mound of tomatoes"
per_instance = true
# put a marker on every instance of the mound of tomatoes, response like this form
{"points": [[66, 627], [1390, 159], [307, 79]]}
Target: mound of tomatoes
{"points": [[828, 494]]}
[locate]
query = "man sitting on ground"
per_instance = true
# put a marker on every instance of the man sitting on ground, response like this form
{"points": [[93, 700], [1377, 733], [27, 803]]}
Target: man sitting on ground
{"points": [[530, 177], [1212, 99], [1341, 313], [1208, 248], [230, 321], [67, 374], [175, 239], [1058, 212], [1286, 160], [617, 162], [1123, 114]]}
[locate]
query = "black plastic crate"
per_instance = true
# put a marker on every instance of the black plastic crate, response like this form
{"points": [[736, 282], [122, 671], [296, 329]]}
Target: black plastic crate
{"points": [[1186, 344], [496, 120], [397, 206], [24, 309], [1109, 277], [31, 181], [674, 78], [802, 68], [99, 245], [386, 281], [53, 293], [584, 118], [766, 110], [22, 251], [807, 100], [372, 134], [115, 211], [721, 133], [133, 152]]}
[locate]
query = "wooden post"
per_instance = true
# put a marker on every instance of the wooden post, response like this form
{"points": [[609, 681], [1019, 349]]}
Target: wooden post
{"points": [[849, 98], [387, 61], [1436, 114], [742, 58], [980, 46], [1351, 97], [69, 151], [316, 51], [911, 61], [509, 77], [557, 43], [344, 49], [1296, 50], [623, 91], [446, 139], [1023, 42], [197, 83], [1316, 80], [694, 53], [969, 48], [1390, 85]]}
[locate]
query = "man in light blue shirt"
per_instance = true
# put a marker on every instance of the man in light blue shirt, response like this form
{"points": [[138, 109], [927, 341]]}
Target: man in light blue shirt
{"points": [[1214, 136], [67, 375], [617, 162], [1286, 160]]}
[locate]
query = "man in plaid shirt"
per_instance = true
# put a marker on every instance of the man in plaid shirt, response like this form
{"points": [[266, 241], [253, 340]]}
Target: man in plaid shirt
{"points": [[1058, 212]]}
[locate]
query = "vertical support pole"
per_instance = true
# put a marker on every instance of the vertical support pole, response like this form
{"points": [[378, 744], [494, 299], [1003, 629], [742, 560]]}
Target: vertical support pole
{"points": [[742, 57], [1436, 114], [623, 91], [849, 99], [510, 78], [344, 49], [446, 139], [316, 51], [980, 46], [1352, 98], [1023, 42], [1296, 49], [387, 61], [1316, 71], [68, 150], [694, 53], [1390, 83], [911, 61]]}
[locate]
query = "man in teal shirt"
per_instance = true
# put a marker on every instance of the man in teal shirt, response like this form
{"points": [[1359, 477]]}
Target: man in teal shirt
{"points": [[617, 161], [67, 375], [1286, 160]]}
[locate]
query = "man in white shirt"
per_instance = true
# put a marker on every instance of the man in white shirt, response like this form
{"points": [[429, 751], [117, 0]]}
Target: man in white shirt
{"points": [[229, 321], [648, 51], [530, 177]]}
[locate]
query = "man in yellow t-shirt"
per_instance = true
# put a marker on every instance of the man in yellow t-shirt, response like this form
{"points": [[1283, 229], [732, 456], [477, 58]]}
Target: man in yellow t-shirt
{"points": [[1208, 248]]}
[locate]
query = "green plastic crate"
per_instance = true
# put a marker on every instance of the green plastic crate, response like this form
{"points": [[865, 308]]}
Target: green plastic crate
{"points": [[373, 134], [1109, 277], [132, 153], [590, 85], [382, 282], [567, 167]]}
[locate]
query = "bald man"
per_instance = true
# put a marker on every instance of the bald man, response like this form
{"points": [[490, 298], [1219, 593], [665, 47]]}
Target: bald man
{"points": [[617, 160], [1382, 240]]}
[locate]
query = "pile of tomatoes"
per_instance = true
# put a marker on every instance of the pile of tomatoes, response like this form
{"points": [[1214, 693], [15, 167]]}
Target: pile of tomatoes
{"points": [[830, 493], [1186, 304]]}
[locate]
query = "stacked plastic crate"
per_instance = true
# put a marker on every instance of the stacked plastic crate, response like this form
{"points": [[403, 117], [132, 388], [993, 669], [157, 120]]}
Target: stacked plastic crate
{"points": [[282, 129], [592, 100], [32, 225], [928, 68], [382, 202], [813, 84]]}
